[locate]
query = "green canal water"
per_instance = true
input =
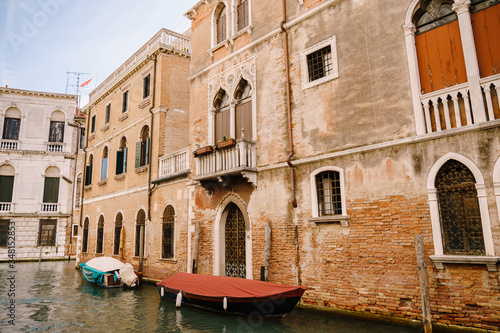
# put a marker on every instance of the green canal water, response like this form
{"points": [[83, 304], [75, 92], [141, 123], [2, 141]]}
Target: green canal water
{"points": [[52, 297]]}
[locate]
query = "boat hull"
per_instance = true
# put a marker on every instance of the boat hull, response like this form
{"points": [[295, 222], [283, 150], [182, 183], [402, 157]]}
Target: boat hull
{"points": [[278, 307]]}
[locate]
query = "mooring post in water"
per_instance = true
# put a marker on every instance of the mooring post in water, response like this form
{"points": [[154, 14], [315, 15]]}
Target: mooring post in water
{"points": [[424, 287]]}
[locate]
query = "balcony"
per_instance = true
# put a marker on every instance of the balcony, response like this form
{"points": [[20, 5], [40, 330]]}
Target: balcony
{"points": [[240, 159], [50, 207], [6, 207], [54, 147], [9, 144], [451, 108], [173, 165]]}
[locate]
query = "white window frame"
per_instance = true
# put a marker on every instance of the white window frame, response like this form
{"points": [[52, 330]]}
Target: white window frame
{"points": [[229, 33], [439, 258], [332, 41], [343, 218]]}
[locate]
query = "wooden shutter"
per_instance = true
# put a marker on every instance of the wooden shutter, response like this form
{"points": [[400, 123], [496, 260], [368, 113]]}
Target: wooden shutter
{"points": [[244, 119], [242, 15], [6, 187], [440, 58], [222, 125], [88, 175], [51, 190], [486, 27], [221, 28], [119, 162], [138, 149]]}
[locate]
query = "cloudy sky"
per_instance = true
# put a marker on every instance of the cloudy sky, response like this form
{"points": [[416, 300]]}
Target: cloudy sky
{"points": [[41, 40]]}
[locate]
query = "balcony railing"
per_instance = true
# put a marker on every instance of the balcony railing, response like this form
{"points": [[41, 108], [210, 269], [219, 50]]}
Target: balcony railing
{"points": [[9, 144], [230, 160], [451, 108], [55, 147], [173, 163], [5, 207], [50, 207]]}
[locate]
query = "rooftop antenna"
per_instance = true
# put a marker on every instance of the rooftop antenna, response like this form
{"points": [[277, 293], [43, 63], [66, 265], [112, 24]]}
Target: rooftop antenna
{"points": [[77, 85]]}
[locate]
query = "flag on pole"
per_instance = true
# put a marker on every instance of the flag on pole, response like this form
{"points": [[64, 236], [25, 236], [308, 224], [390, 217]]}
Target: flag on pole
{"points": [[85, 83]]}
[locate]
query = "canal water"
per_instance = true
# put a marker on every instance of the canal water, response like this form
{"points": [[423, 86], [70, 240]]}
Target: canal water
{"points": [[53, 297]]}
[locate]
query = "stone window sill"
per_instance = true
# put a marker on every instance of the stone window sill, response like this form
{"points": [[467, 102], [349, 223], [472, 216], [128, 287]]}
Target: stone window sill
{"points": [[171, 261], [248, 29], [91, 136], [120, 176], [145, 102], [123, 116], [142, 169], [88, 188], [105, 128], [102, 182], [218, 46], [343, 219], [489, 261]]}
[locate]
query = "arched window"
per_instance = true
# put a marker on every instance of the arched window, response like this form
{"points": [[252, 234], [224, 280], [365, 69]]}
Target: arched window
{"points": [[51, 186], [88, 170], [78, 190], [168, 228], [7, 173], [222, 116], [452, 52], [140, 229], [118, 233], [243, 14], [121, 157], [459, 210], [11, 124], [142, 148], [221, 23], [85, 240], [243, 110], [104, 164], [100, 235], [56, 133]]}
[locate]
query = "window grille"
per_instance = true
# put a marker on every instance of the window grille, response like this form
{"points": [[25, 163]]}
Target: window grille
{"points": [[319, 63], [329, 194], [47, 233], [459, 210], [235, 243], [168, 233], [4, 231]]}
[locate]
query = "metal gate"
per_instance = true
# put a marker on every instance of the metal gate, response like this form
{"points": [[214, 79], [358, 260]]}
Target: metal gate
{"points": [[235, 243]]}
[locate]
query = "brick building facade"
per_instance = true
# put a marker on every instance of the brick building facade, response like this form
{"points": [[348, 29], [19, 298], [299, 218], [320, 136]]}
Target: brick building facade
{"points": [[343, 129], [135, 174]]}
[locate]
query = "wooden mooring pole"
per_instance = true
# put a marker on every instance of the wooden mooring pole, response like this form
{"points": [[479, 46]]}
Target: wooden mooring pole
{"points": [[424, 287]]}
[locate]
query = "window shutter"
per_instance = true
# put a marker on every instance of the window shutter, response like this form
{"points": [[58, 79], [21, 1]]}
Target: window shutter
{"points": [[124, 169], [146, 160], [104, 168], [51, 190], [88, 175], [119, 162], [92, 126], [138, 150], [6, 186]]}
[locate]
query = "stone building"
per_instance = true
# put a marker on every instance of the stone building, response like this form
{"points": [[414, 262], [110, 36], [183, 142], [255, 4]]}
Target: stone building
{"points": [[327, 134], [37, 166], [136, 160]]}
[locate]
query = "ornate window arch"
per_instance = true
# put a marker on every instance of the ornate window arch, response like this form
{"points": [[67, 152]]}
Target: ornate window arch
{"points": [[448, 187], [222, 128], [220, 23], [243, 110]]}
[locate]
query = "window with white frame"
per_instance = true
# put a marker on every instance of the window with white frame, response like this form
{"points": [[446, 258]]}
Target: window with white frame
{"points": [[11, 124], [56, 132], [328, 195], [319, 63], [104, 164], [51, 185], [47, 232], [243, 12], [7, 173], [220, 24]]}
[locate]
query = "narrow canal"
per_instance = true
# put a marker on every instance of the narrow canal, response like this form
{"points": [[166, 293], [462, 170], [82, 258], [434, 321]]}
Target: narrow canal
{"points": [[52, 297]]}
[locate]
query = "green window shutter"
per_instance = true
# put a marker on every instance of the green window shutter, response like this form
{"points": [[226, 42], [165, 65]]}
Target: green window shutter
{"points": [[6, 187], [119, 162], [51, 190], [138, 150]]}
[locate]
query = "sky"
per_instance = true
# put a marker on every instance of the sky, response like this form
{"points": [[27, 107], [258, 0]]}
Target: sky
{"points": [[42, 40]]}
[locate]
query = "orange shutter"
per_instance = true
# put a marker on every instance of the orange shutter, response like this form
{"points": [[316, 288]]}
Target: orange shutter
{"points": [[486, 26], [440, 58]]}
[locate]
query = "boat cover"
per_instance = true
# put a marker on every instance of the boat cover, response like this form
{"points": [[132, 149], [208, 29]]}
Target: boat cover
{"points": [[105, 264], [92, 275], [230, 287]]}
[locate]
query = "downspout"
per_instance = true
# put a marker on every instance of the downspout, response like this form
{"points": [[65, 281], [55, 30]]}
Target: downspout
{"points": [[290, 144], [84, 176], [73, 191], [150, 149], [289, 108]]}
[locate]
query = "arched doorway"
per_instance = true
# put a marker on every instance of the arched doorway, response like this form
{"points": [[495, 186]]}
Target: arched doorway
{"points": [[235, 254]]}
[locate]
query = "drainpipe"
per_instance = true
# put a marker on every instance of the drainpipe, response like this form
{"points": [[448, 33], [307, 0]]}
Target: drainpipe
{"points": [[150, 190], [84, 174], [289, 108]]}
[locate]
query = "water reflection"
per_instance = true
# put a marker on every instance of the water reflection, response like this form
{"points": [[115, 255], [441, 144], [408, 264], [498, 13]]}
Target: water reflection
{"points": [[52, 297]]}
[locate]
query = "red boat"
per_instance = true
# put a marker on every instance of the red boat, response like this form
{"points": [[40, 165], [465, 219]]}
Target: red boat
{"points": [[230, 295]]}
